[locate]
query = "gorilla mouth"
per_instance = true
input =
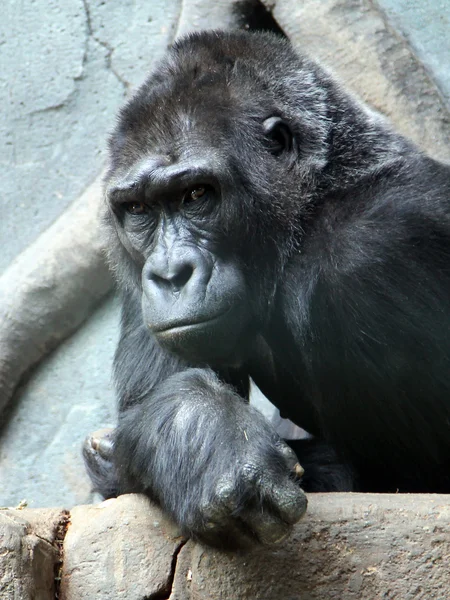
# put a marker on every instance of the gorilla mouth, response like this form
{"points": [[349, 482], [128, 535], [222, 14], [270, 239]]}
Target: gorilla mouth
{"points": [[186, 325]]}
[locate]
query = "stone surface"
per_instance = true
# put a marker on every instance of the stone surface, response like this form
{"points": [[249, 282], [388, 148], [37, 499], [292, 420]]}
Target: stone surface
{"points": [[28, 553], [425, 25], [353, 38], [203, 14], [121, 548], [348, 546]]}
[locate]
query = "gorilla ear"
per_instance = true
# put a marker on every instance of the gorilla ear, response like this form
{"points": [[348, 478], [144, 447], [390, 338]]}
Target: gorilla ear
{"points": [[279, 135]]}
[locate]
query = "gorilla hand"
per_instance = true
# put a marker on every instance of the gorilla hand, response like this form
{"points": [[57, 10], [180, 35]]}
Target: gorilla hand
{"points": [[212, 462]]}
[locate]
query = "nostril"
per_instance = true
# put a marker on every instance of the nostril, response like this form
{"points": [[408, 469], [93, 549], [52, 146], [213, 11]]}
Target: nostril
{"points": [[179, 280], [175, 282], [161, 282]]}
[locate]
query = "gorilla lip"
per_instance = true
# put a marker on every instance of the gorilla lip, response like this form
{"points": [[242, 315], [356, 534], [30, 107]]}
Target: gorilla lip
{"points": [[186, 325]]}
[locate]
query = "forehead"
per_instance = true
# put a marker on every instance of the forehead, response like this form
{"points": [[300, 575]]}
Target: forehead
{"points": [[186, 106]]}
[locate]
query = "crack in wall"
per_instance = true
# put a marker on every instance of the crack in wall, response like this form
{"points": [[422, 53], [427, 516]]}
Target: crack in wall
{"points": [[109, 49]]}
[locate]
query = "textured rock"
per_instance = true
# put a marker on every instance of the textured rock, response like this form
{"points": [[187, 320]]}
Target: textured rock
{"points": [[348, 546], [201, 14], [121, 548], [425, 25], [29, 554]]}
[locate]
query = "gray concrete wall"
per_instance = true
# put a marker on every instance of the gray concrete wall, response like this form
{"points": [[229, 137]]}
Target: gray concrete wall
{"points": [[66, 67]]}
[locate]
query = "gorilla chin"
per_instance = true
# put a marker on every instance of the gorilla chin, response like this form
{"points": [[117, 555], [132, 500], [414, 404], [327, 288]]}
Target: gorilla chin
{"points": [[219, 339]]}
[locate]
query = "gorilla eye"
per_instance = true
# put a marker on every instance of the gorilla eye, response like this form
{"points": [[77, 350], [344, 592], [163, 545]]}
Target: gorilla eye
{"points": [[136, 208], [195, 193]]}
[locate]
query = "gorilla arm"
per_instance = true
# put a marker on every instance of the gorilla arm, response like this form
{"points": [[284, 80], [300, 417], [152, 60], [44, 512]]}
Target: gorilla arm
{"points": [[190, 442]]}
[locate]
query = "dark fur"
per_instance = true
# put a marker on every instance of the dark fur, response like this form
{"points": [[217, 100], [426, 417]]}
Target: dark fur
{"points": [[336, 253]]}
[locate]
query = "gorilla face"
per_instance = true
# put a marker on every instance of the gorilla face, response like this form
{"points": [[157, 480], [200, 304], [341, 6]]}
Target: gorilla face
{"points": [[194, 293]]}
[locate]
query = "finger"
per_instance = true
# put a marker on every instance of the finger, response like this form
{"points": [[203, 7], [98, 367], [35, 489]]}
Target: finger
{"points": [[287, 499], [102, 441]]}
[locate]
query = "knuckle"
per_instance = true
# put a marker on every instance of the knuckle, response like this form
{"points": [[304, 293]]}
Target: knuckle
{"points": [[293, 504], [287, 452], [250, 472]]}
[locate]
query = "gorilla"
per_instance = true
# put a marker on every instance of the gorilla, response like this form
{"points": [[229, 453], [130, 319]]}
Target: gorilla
{"points": [[264, 224]]}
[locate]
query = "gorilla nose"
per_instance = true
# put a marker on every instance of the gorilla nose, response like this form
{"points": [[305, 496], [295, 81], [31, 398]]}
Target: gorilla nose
{"points": [[185, 270], [174, 279]]}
